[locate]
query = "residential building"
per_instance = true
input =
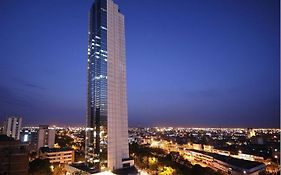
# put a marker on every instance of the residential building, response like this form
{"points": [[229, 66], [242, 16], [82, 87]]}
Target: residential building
{"points": [[12, 127], [46, 136], [30, 137], [57, 155]]}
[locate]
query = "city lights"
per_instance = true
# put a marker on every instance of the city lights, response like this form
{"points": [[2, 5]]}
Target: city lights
{"points": [[148, 87]]}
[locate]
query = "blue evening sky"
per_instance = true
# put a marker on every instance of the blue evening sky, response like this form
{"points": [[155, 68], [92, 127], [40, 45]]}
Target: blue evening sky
{"points": [[205, 63]]}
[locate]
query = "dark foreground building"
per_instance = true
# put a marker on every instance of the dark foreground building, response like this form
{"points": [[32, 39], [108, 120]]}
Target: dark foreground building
{"points": [[13, 157]]}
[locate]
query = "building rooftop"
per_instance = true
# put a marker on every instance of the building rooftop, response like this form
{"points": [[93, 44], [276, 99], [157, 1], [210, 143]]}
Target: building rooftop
{"points": [[84, 167], [47, 149], [5, 138], [126, 171], [241, 163], [245, 164]]}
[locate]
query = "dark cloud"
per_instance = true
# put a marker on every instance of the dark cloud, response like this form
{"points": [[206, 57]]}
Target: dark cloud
{"points": [[11, 97], [28, 84], [34, 86], [12, 102], [35, 109]]}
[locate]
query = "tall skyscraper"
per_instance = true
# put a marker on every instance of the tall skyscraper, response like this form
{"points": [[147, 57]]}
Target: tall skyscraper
{"points": [[12, 127], [46, 136], [107, 117]]}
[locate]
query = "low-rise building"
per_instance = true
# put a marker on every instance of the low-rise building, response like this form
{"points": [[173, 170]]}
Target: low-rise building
{"points": [[221, 152], [197, 146], [208, 148], [57, 155], [249, 157], [227, 164]]}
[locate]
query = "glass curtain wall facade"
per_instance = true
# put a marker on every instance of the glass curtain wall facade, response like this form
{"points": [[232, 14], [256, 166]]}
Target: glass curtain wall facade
{"points": [[107, 116], [96, 130]]}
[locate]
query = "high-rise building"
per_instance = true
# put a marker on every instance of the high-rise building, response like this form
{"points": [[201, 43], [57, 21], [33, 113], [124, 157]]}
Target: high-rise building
{"points": [[29, 136], [12, 127], [107, 118], [46, 136]]}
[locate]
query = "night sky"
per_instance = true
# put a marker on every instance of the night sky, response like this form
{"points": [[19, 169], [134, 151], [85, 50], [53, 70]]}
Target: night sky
{"points": [[191, 63]]}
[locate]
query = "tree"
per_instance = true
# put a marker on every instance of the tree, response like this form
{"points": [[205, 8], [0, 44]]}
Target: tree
{"points": [[40, 167], [64, 141], [166, 170], [59, 169]]}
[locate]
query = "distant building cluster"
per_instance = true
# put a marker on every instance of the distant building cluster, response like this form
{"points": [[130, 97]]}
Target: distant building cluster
{"points": [[21, 145], [228, 150]]}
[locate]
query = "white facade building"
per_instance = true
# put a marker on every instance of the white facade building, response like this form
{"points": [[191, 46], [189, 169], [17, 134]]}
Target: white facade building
{"points": [[46, 136], [12, 127], [118, 147]]}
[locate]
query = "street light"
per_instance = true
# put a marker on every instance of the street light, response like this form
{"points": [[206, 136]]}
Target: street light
{"points": [[276, 157]]}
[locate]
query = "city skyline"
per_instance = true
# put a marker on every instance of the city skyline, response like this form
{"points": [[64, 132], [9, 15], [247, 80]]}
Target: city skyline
{"points": [[189, 63]]}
